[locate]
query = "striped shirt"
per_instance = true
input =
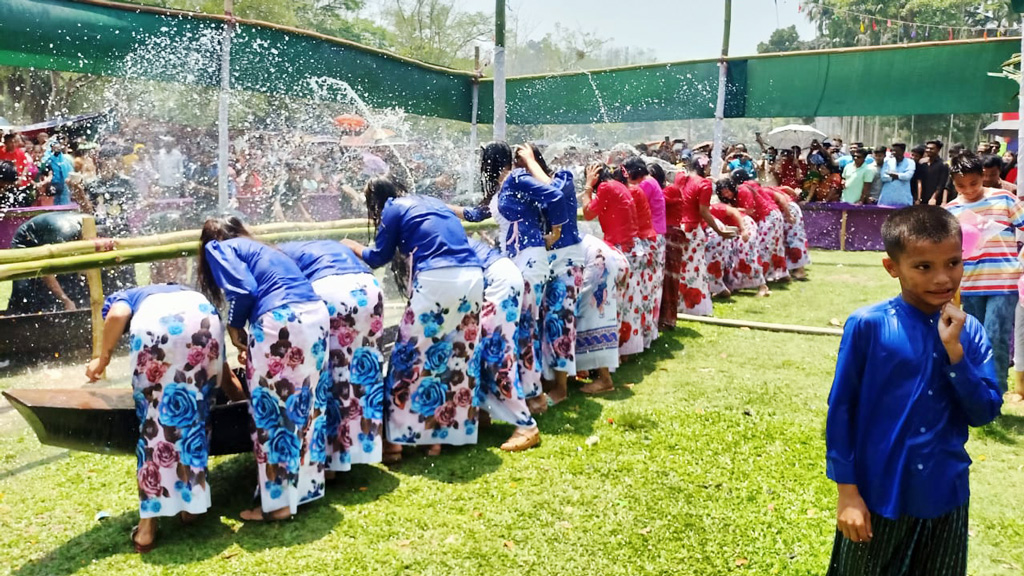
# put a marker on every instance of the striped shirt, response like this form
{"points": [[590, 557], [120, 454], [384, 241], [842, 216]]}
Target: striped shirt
{"points": [[996, 266]]}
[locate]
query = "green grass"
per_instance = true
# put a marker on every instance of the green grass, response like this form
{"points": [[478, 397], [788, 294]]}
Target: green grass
{"points": [[710, 460]]}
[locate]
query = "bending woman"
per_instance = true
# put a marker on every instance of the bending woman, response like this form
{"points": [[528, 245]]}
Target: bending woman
{"points": [[355, 304], [428, 394], [494, 364], [597, 340], [177, 348], [558, 309], [285, 354]]}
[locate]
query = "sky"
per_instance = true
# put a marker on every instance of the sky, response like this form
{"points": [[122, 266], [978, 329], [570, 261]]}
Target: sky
{"points": [[673, 29]]}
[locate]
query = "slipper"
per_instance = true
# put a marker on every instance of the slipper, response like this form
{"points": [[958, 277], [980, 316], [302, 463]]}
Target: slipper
{"points": [[522, 440], [142, 548]]}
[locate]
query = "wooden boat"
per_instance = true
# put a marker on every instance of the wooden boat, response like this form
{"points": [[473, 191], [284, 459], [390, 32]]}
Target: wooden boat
{"points": [[104, 421]]}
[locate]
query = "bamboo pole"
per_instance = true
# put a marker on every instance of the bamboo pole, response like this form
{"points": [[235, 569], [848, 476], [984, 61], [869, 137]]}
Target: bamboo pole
{"points": [[90, 246], [79, 262], [842, 233], [791, 328], [95, 283]]}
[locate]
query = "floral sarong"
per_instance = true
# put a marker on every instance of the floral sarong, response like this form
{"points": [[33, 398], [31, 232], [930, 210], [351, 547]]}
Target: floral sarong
{"points": [[533, 264], [694, 292], [605, 276], [797, 254], [558, 311]]}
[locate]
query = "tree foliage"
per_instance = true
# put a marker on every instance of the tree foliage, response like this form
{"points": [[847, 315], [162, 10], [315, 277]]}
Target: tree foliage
{"points": [[782, 40]]}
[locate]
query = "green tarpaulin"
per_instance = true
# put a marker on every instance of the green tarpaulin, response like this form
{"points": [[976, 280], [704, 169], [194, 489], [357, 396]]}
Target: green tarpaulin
{"points": [[97, 37]]}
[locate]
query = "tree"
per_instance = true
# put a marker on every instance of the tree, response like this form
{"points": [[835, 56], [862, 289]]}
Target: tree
{"points": [[436, 31], [782, 40]]}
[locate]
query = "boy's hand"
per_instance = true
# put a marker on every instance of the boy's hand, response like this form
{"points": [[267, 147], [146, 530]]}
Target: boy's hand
{"points": [[852, 516], [951, 322]]}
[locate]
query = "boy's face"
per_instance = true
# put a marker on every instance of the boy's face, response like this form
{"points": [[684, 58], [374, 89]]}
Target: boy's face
{"points": [[929, 272], [969, 186]]}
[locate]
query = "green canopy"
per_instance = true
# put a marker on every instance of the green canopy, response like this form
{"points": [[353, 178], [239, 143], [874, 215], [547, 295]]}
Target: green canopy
{"points": [[98, 37]]}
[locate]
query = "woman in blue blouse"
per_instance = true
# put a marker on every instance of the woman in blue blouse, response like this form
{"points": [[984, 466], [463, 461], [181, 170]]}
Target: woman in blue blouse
{"points": [[285, 353], [522, 206], [355, 303], [177, 348], [428, 393], [566, 256]]}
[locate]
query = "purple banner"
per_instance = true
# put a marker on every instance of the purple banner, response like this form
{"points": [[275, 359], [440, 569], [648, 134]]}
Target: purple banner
{"points": [[863, 225]]}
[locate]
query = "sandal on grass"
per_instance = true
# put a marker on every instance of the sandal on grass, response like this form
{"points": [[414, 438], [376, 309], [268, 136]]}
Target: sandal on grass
{"points": [[522, 440], [142, 548]]}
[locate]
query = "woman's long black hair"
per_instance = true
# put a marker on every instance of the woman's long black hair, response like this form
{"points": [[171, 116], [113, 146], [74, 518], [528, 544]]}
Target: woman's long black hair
{"points": [[377, 193], [658, 173], [220, 229], [495, 158]]}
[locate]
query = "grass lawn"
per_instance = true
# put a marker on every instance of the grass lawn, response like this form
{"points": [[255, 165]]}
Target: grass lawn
{"points": [[709, 460]]}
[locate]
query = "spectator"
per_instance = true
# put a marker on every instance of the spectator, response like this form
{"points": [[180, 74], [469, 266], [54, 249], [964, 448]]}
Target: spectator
{"points": [[12, 195], [857, 178], [1009, 172], [113, 194], [787, 170], [936, 175], [740, 160], [170, 168], [58, 165], [992, 165], [878, 155], [17, 156], [896, 173], [916, 154]]}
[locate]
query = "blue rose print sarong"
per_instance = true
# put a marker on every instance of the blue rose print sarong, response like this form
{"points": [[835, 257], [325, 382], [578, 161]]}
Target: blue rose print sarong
{"points": [[290, 389], [355, 411], [605, 277], [558, 310], [494, 364], [428, 392], [177, 348], [533, 264]]}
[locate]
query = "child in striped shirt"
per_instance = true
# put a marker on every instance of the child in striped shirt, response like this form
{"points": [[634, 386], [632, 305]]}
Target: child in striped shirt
{"points": [[989, 287]]}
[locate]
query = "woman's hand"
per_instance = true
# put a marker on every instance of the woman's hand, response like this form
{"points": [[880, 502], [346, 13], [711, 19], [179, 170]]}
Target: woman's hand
{"points": [[94, 371], [592, 171]]}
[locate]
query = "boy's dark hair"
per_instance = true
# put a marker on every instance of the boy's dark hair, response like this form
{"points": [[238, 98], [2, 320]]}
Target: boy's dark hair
{"points": [[937, 143], [919, 149], [966, 162], [991, 161], [919, 223]]}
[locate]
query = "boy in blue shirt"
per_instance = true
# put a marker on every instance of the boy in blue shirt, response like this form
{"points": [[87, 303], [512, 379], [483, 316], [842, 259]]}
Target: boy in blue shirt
{"points": [[913, 373]]}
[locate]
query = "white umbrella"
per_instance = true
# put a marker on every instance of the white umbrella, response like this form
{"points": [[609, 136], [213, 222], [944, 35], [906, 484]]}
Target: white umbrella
{"points": [[794, 135]]}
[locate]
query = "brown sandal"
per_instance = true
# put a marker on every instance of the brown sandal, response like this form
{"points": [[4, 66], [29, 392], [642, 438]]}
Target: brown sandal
{"points": [[522, 440], [142, 548]]}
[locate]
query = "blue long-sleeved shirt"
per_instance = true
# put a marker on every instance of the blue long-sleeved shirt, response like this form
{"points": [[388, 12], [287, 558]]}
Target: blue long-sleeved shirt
{"points": [[425, 228], [896, 191], [133, 297], [570, 232], [321, 258], [899, 411], [255, 279], [522, 201]]}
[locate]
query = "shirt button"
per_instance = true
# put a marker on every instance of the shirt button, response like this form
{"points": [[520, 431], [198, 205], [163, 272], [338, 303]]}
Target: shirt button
{"points": [[934, 355], [930, 392], [922, 430], [920, 466], [952, 374]]}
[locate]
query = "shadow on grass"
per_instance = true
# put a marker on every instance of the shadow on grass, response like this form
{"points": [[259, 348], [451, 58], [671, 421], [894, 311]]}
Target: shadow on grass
{"points": [[457, 464], [232, 480], [1006, 429]]}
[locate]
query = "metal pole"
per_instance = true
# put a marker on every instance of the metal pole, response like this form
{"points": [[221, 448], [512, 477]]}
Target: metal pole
{"points": [[1020, 111], [723, 70], [476, 100], [499, 70], [222, 112]]}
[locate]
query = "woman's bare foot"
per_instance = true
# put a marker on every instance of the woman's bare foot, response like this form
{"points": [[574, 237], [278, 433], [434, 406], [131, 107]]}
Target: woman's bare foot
{"points": [[434, 450], [560, 389], [598, 387], [538, 405], [723, 294], [257, 515], [798, 274], [188, 518], [330, 474], [392, 453], [763, 291]]}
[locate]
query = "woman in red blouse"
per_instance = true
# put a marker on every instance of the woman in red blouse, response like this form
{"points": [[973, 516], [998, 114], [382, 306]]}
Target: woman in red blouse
{"points": [[645, 268], [732, 262], [797, 254], [747, 196], [688, 210], [612, 204]]}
